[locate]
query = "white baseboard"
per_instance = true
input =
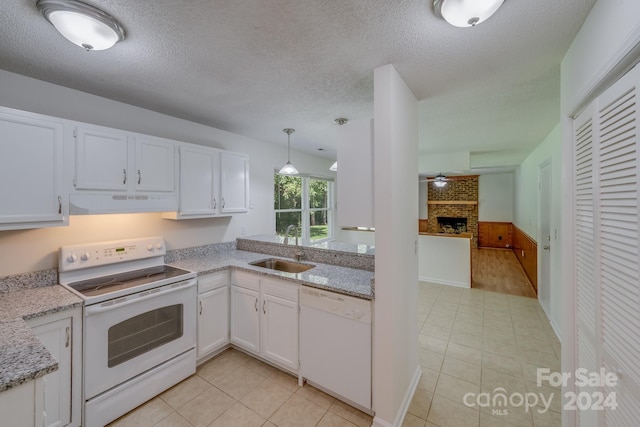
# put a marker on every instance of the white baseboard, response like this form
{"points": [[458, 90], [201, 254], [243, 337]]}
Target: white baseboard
{"points": [[404, 406], [444, 282], [555, 328]]}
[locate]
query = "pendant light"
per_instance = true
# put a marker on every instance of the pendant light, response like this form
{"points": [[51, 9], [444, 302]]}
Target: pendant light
{"points": [[82, 24], [466, 13], [288, 168], [340, 121]]}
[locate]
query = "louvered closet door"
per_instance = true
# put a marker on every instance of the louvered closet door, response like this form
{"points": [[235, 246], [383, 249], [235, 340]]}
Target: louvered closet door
{"points": [[584, 231], [607, 241], [618, 118]]}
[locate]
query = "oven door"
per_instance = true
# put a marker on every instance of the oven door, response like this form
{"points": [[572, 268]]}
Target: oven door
{"points": [[127, 336]]}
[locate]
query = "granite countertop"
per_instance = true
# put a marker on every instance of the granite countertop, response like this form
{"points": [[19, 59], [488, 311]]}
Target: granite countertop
{"points": [[348, 281], [356, 248], [22, 356]]}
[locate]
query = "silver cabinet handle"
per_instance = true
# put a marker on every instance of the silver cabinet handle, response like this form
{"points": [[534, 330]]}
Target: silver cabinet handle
{"points": [[139, 177], [68, 340], [256, 304], [215, 203], [223, 203], [59, 204], [124, 171], [263, 309], [201, 307], [546, 248]]}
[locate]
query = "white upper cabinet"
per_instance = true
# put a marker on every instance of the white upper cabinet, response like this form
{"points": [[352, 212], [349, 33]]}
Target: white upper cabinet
{"points": [[102, 160], [355, 174], [155, 164], [212, 183], [31, 170], [108, 159], [234, 182]]}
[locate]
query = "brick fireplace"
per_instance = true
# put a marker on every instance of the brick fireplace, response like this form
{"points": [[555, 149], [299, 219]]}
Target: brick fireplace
{"points": [[459, 200]]}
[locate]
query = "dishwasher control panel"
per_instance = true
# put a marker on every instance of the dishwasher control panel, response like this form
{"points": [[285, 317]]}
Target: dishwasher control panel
{"points": [[338, 304]]}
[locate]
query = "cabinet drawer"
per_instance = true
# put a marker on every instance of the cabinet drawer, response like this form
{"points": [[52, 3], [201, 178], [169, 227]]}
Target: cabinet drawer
{"points": [[212, 281], [246, 280], [280, 289]]}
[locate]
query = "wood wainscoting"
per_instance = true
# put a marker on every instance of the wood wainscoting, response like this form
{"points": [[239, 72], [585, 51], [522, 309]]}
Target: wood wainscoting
{"points": [[526, 250], [495, 234]]}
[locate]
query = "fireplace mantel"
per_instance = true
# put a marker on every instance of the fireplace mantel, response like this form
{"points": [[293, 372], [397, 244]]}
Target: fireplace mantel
{"points": [[452, 202]]}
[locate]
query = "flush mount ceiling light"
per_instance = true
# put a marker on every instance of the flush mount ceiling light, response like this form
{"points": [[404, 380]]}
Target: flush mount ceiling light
{"points": [[440, 181], [82, 24], [466, 13], [288, 168], [340, 121]]}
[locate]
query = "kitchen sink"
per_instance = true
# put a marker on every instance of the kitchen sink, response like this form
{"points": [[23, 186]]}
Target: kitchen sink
{"points": [[282, 265]]}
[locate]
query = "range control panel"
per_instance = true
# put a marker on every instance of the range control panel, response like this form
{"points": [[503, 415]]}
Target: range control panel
{"points": [[74, 257]]}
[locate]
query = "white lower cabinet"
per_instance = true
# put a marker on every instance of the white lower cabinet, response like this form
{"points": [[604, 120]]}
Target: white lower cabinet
{"points": [[264, 318], [213, 313], [61, 333], [21, 406]]}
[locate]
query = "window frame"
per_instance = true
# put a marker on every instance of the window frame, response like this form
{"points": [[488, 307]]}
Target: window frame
{"points": [[305, 210]]}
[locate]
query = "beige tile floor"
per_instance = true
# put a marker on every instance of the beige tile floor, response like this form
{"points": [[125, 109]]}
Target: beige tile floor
{"points": [[476, 341], [470, 341]]}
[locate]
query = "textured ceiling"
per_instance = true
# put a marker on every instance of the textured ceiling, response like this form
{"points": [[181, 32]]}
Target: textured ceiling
{"points": [[255, 67]]}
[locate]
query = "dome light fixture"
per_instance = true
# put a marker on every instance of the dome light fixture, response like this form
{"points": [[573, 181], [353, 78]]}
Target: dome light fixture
{"points": [[440, 181], [466, 13], [288, 168], [82, 24]]}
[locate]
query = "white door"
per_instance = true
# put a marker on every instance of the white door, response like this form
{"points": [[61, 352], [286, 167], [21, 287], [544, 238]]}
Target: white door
{"points": [[280, 331], [198, 180], [234, 182], [102, 160], [155, 165], [213, 320], [544, 248], [56, 337], [31, 172], [245, 318]]}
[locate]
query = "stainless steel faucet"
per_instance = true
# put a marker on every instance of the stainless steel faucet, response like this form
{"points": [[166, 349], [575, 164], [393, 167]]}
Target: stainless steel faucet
{"points": [[298, 254], [286, 233]]}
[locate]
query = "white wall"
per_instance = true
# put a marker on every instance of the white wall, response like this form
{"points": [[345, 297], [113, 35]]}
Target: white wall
{"points": [[395, 364], [445, 260], [526, 209], [495, 197], [29, 250]]}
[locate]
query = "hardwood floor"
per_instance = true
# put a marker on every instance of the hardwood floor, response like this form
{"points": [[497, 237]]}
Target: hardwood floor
{"points": [[498, 270]]}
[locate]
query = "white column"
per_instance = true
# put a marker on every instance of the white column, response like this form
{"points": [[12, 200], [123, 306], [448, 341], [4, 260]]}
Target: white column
{"points": [[395, 363]]}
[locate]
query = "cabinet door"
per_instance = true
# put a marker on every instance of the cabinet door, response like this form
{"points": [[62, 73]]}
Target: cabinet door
{"points": [[279, 324], [198, 180], [245, 318], [31, 167], [213, 320], [155, 165], [102, 158], [21, 406], [56, 337], [234, 182]]}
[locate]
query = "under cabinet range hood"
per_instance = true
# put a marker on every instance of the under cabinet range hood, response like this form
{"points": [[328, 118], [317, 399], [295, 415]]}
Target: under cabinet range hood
{"points": [[87, 204]]}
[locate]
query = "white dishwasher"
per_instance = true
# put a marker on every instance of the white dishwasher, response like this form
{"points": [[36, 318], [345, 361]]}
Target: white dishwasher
{"points": [[335, 344]]}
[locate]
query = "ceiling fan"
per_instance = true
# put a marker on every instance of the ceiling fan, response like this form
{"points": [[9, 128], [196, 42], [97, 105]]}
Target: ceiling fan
{"points": [[439, 180]]}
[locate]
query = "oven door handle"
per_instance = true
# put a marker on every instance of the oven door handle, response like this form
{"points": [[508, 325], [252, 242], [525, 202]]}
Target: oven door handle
{"points": [[142, 296]]}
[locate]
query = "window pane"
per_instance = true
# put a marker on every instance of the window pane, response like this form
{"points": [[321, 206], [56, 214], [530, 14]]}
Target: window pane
{"points": [[318, 225], [287, 192], [284, 219], [318, 193]]}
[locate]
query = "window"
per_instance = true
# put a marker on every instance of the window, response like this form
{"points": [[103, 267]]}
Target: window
{"points": [[306, 203]]}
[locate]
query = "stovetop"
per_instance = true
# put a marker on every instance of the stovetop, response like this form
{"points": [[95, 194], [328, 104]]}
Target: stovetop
{"points": [[130, 279]]}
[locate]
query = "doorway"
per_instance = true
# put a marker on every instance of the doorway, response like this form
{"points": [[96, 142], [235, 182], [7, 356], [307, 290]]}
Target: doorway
{"points": [[544, 245]]}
